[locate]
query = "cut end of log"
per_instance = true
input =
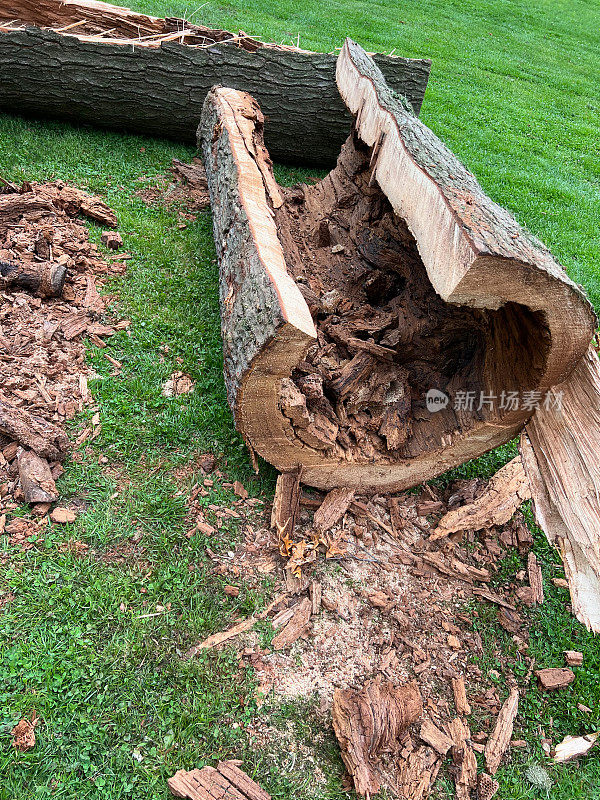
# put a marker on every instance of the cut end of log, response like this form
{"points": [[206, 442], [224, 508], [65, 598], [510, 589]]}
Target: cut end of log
{"points": [[375, 323]]}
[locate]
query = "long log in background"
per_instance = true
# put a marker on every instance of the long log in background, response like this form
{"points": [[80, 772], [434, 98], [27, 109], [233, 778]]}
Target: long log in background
{"points": [[160, 90]]}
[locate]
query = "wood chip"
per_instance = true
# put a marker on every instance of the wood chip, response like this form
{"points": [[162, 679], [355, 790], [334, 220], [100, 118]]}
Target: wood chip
{"points": [[316, 593], [465, 762], [574, 746], [505, 493], [226, 781], [36, 479], [534, 572], [333, 508], [62, 516], [296, 627], [460, 696], [286, 502], [433, 736], [498, 742], [555, 678], [486, 594], [573, 658], [24, 733]]}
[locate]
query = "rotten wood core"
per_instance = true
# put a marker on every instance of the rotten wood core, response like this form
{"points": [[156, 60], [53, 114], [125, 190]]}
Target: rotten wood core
{"points": [[350, 304]]}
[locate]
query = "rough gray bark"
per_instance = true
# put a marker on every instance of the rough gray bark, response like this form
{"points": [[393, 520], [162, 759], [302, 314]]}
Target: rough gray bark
{"points": [[160, 90]]}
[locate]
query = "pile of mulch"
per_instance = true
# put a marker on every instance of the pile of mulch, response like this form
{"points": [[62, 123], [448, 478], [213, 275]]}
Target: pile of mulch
{"points": [[43, 370]]}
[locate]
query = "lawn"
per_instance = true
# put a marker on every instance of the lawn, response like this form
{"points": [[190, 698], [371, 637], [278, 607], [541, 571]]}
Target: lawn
{"points": [[513, 92]]}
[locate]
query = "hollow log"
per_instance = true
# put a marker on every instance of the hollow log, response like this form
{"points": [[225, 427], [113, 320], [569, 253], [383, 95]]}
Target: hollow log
{"points": [[165, 73], [377, 324], [45, 277]]}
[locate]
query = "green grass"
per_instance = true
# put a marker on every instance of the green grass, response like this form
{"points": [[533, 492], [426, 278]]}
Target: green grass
{"points": [[514, 93]]}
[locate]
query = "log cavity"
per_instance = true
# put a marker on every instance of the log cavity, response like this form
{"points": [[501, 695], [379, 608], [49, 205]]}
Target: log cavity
{"points": [[385, 338]]}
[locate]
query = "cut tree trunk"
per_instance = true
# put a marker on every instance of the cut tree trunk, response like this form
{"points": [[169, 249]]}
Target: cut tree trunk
{"points": [[44, 277], [165, 68], [348, 305]]}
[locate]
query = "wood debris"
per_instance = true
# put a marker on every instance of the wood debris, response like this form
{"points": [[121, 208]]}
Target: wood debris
{"points": [[574, 747], [534, 572], [333, 508], [555, 678], [296, 627], [178, 383], [62, 515], [184, 185], [367, 722], [226, 781], [460, 696], [43, 371], [416, 774], [36, 478], [464, 760], [24, 733], [499, 740], [286, 503], [573, 658], [434, 737], [495, 506]]}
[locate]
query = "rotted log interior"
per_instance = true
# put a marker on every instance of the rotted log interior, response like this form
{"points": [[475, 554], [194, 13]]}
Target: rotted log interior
{"points": [[385, 338]]}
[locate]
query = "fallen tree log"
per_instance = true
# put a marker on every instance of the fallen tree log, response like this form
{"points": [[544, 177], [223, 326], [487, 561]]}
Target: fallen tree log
{"points": [[60, 60], [374, 323]]}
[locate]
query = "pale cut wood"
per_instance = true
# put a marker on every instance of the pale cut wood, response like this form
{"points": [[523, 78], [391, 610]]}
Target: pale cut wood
{"points": [[333, 508], [574, 747], [166, 67], [560, 453], [367, 722], [500, 737], [36, 478], [504, 494], [460, 696], [474, 255]]}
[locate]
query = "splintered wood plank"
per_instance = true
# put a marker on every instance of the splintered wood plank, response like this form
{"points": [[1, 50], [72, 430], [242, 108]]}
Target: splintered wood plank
{"points": [[560, 453], [504, 494], [460, 696], [574, 747], [367, 722], [498, 742], [226, 782], [333, 508]]}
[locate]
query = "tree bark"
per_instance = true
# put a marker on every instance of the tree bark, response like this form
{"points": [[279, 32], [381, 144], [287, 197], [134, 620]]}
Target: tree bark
{"points": [[345, 302], [45, 277], [161, 85]]}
